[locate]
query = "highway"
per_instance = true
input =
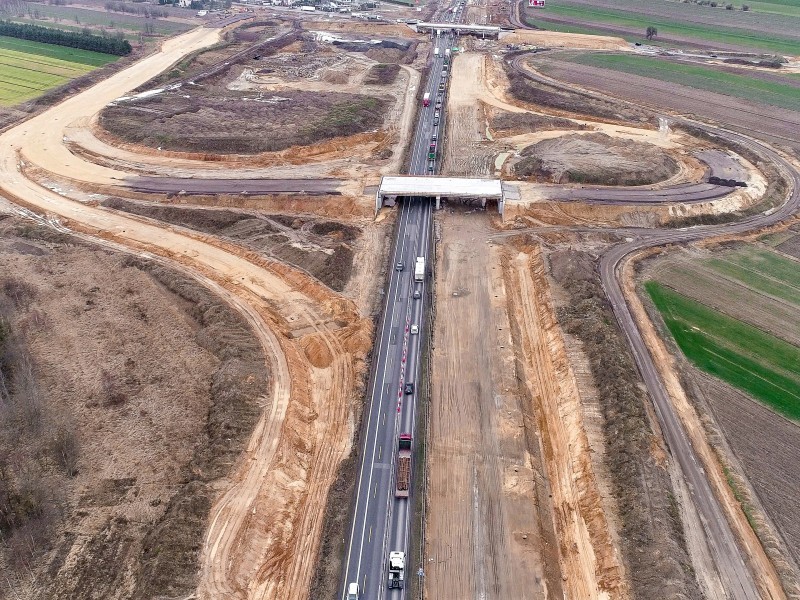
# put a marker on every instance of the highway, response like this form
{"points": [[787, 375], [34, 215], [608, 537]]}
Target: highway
{"points": [[381, 522]]}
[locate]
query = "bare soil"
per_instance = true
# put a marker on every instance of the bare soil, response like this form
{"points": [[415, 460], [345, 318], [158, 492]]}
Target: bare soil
{"points": [[321, 248], [572, 102], [265, 521], [158, 381], [510, 124], [766, 452], [743, 115], [753, 444], [489, 530], [228, 122], [595, 158], [382, 74], [648, 509]]}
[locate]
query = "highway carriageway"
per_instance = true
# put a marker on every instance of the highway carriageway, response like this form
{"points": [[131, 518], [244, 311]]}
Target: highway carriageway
{"points": [[382, 522]]}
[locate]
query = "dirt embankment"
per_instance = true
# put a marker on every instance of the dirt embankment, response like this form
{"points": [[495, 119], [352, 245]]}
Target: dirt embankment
{"points": [[321, 248], [636, 461], [595, 158], [572, 102], [154, 385], [225, 122], [589, 558]]}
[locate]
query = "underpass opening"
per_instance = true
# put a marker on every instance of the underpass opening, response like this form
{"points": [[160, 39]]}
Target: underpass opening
{"points": [[454, 189]]}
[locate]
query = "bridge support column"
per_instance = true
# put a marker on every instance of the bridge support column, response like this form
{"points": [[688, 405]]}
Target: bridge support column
{"points": [[483, 202], [438, 202]]}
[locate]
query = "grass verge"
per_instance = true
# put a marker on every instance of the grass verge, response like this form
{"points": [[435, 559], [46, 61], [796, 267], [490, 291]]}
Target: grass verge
{"points": [[748, 358]]}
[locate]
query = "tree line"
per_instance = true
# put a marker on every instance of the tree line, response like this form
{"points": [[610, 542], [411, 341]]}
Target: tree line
{"points": [[59, 37]]}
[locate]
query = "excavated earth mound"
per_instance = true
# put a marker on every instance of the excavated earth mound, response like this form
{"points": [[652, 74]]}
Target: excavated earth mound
{"points": [[229, 122], [597, 159]]}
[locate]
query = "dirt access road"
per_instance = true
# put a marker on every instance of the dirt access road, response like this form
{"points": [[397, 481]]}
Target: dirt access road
{"points": [[515, 509], [483, 528], [265, 527]]}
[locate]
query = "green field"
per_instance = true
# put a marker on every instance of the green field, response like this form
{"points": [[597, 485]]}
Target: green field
{"points": [[763, 271], [776, 7], [748, 358], [588, 16], [701, 77], [28, 69]]}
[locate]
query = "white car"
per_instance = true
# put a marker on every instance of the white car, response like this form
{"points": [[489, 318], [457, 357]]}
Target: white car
{"points": [[414, 330], [352, 591]]}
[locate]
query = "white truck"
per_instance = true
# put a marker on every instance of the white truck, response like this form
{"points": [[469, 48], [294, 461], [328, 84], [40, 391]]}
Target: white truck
{"points": [[436, 52], [419, 269], [397, 569], [308, 8]]}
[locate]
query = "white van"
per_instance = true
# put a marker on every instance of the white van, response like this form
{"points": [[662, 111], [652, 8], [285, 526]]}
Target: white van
{"points": [[352, 591]]}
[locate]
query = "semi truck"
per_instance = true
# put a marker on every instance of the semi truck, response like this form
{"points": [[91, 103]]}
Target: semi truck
{"points": [[403, 475], [397, 567], [447, 54], [426, 99], [419, 267], [436, 52]]}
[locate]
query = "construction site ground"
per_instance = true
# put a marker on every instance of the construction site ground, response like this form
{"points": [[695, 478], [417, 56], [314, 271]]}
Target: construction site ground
{"points": [[486, 535], [291, 77], [744, 115], [473, 406], [515, 504], [479, 93], [159, 382], [520, 498], [265, 518]]}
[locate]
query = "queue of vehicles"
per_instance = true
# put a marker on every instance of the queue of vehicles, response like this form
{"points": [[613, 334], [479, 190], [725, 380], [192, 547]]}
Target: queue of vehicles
{"points": [[403, 466]]}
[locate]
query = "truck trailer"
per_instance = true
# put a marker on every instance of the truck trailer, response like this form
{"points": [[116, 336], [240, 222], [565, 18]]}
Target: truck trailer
{"points": [[436, 52], [419, 266], [426, 99], [403, 474], [397, 567]]}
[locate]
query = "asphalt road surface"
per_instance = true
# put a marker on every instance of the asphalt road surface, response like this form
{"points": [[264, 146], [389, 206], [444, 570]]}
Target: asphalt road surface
{"points": [[202, 187], [685, 192], [722, 542], [381, 522]]}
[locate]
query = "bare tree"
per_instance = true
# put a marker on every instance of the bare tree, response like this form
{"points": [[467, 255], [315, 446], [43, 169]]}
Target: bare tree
{"points": [[651, 32], [64, 445]]}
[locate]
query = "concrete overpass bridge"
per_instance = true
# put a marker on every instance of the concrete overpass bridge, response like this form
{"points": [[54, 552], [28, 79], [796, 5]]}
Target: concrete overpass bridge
{"points": [[452, 188], [483, 31]]}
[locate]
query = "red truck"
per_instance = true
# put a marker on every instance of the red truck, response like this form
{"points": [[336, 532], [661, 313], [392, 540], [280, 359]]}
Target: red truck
{"points": [[403, 465], [426, 99]]}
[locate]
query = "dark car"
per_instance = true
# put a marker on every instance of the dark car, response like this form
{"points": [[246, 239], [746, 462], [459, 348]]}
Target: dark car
{"points": [[409, 389], [399, 266], [417, 294]]}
